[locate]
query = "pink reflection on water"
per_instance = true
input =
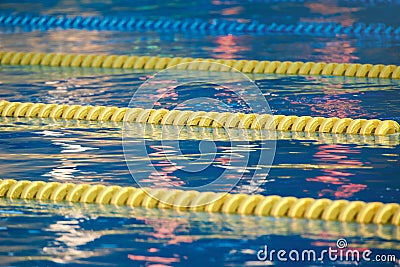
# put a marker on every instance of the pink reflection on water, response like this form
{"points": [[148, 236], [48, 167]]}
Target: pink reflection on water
{"points": [[341, 108], [341, 51], [228, 47], [165, 168], [232, 10], [331, 12], [163, 178], [334, 102], [337, 51], [162, 151], [337, 156], [153, 259], [344, 191], [169, 231], [166, 229]]}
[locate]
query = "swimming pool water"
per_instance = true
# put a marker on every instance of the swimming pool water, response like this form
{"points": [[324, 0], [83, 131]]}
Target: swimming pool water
{"points": [[42, 234]]}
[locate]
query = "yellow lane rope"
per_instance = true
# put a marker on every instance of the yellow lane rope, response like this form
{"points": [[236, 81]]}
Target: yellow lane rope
{"points": [[173, 132], [158, 63], [246, 225], [201, 118], [276, 206]]}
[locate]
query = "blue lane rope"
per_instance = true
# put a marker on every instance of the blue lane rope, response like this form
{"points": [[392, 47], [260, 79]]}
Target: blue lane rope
{"points": [[31, 22]]}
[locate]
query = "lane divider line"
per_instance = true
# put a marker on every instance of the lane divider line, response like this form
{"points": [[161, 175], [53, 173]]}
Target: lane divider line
{"points": [[173, 132], [201, 118], [215, 26], [273, 205], [244, 224], [159, 63]]}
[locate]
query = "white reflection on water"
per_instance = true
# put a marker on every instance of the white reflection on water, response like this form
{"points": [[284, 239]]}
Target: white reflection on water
{"points": [[65, 171], [73, 148], [69, 236]]}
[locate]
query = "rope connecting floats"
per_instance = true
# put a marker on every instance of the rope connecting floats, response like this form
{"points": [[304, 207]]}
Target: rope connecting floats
{"points": [[247, 225], [276, 206], [194, 25], [201, 118], [158, 63], [173, 132]]}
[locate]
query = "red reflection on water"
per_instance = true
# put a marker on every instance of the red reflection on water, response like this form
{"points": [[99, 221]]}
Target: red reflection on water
{"points": [[337, 14], [331, 103], [163, 179], [337, 156], [337, 51], [341, 108], [325, 179], [164, 168], [344, 191], [166, 229], [227, 47], [153, 259], [217, 2], [162, 151], [232, 10]]}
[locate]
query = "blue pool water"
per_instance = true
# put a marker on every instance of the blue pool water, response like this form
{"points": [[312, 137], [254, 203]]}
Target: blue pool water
{"points": [[330, 166]]}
